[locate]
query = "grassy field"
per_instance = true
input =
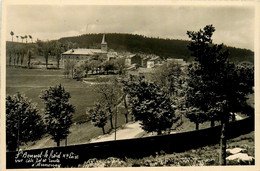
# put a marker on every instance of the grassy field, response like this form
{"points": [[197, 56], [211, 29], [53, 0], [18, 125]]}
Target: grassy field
{"points": [[31, 82]]}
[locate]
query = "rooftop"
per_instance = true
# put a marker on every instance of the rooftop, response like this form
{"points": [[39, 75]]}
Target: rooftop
{"points": [[82, 51]]}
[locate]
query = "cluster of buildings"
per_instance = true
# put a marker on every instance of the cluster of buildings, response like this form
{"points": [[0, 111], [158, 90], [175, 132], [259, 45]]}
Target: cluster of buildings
{"points": [[80, 55], [132, 61]]}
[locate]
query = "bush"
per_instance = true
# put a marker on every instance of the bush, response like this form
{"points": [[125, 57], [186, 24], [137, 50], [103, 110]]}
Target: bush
{"points": [[109, 162]]}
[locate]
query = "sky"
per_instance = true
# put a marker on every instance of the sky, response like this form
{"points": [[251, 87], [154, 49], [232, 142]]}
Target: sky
{"points": [[234, 24]]}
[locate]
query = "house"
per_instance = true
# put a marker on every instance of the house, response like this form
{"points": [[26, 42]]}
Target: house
{"points": [[111, 55], [176, 60], [83, 54], [134, 59], [151, 63]]}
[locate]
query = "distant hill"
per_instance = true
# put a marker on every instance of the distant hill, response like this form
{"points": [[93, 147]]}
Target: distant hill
{"points": [[164, 48]]}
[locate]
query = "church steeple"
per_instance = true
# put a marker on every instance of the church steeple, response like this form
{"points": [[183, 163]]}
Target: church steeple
{"points": [[104, 44]]}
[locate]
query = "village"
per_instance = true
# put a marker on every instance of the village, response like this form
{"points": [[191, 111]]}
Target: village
{"points": [[105, 60]]}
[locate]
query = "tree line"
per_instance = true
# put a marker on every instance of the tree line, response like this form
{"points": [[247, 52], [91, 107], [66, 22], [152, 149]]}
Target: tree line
{"points": [[97, 65], [22, 37], [165, 48], [24, 54]]}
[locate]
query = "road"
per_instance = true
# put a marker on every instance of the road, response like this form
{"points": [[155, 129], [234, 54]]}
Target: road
{"points": [[130, 130]]}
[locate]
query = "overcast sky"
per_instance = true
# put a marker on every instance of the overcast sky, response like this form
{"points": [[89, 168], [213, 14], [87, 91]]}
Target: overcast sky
{"points": [[234, 25]]}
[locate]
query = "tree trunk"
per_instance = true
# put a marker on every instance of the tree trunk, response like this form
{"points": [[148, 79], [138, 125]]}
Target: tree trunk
{"points": [[10, 59], [72, 72], [17, 59], [29, 62], [111, 121], [126, 117], [197, 126], [58, 143], [126, 107], [46, 61], [22, 57], [58, 62], [14, 60], [212, 122], [223, 141], [103, 129], [233, 117], [159, 132]]}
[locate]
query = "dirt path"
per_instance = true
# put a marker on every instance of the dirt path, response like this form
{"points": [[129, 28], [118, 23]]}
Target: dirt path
{"points": [[40, 144], [129, 131]]}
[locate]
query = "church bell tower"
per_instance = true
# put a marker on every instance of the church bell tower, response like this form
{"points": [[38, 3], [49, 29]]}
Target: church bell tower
{"points": [[104, 44]]}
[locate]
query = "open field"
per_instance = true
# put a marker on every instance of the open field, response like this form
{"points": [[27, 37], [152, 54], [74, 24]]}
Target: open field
{"points": [[32, 81]]}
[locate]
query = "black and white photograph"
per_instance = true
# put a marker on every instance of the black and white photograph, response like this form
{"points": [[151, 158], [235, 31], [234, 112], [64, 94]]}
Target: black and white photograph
{"points": [[109, 85]]}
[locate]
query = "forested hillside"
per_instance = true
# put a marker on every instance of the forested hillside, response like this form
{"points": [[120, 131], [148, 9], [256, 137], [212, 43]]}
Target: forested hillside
{"points": [[165, 48], [162, 47]]}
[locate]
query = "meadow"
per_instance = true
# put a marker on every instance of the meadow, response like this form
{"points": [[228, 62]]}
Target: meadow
{"points": [[31, 82]]}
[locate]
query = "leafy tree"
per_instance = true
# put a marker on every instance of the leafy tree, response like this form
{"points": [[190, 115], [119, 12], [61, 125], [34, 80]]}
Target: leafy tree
{"points": [[110, 95], [66, 71], [22, 38], [170, 77], [10, 52], [30, 37], [108, 65], [23, 123], [10, 57], [94, 65], [29, 57], [26, 38], [24, 53], [196, 115], [216, 86], [18, 55], [120, 65], [69, 67], [81, 70], [151, 106], [126, 103], [57, 51], [58, 112], [98, 115], [17, 38], [15, 50], [12, 34], [45, 48]]}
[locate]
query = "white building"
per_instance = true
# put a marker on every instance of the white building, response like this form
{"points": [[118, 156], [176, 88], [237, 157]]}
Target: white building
{"points": [[83, 54]]}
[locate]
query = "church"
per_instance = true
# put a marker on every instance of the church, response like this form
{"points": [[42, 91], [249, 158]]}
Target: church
{"points": [[82, 54]]}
